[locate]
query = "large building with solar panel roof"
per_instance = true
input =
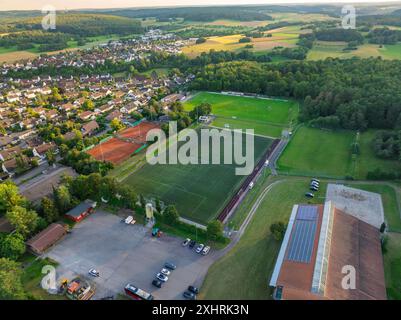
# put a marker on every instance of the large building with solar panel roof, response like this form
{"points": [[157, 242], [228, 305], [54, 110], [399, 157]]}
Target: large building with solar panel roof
{"points": [[319, 241]]}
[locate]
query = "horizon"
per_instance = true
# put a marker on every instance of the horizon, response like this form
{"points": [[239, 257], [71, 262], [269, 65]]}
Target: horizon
{"points": [[24, 5]]}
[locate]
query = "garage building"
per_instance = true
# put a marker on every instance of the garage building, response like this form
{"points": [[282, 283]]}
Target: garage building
{"points": [[81, 211]]}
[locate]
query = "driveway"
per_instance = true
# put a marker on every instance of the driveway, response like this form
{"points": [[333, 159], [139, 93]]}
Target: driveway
{"points": [[126, 254]]}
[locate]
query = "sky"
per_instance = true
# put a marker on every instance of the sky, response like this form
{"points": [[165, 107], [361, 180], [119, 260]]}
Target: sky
{"points": [[79, 4]]}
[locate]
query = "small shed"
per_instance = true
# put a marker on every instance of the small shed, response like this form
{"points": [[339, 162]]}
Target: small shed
{"points": [[46, 238], [81, 211]]}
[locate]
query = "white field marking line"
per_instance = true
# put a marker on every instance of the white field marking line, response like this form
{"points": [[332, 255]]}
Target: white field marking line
{"points": [[246, 96], [254, 134]]}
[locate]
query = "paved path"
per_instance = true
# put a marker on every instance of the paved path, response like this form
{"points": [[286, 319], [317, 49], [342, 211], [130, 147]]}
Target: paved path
{"points": [[275, 155]]}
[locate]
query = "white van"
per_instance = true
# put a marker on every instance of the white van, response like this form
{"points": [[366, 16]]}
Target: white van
{"points": [[129, 219]]}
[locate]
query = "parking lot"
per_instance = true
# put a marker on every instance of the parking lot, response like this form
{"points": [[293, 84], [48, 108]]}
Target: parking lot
{"points": [[126, 254]]}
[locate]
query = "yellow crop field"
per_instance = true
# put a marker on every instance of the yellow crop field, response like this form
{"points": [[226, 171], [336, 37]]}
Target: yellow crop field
{"points": [[324, 49], [231, 43], [14, 56]]}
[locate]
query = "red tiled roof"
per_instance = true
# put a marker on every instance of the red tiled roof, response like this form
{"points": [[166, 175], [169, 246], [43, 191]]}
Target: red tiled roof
{"points": [[46, 238]]}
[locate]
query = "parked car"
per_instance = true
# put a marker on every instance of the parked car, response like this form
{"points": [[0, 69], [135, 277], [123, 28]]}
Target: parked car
{"points": [[157, 283], [193, 289], [186, 242], [170, 266], [192, 244], [313, 188], [162, 277], [205, 250], [189, 295], [94, 273], [315, 180], [155, 232], [165, 271], [313, 183], [200, 248], [309, 195]]}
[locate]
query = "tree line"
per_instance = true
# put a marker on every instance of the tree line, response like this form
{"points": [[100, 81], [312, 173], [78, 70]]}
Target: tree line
{"points": [[351, 94]]}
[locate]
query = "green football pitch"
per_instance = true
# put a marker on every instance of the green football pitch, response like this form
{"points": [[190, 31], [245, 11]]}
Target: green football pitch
{"points": [[199, 191], [268, 117]]}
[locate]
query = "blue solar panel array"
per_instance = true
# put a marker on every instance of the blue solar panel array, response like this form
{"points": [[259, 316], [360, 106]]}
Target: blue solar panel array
{"points": [[303, 235], [307, 213]]}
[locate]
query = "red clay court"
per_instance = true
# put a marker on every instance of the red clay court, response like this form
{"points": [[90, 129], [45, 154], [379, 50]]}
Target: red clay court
{"points": [[118, 149]]}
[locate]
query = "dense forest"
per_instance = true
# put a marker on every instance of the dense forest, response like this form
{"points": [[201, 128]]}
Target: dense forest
{"points": [[339, 34], [27, 39], [87, 25], [209, 31], [393, 19], [384, 36], [69, 27], [352, 94]]}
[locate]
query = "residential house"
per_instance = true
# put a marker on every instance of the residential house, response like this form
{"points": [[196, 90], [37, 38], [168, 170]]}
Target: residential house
{"points": [[105, 108], [87, 115], [114, 115], [40, 151], [10, 153], [51, 114], [129, 108], [89, 128]]}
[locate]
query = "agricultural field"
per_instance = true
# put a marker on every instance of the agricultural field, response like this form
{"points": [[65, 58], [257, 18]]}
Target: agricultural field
{"points": [[391, 51], [12, 54], [231, 43], [198, 191], [312, 152], [296, 17], [267, 117], [325, 49]]}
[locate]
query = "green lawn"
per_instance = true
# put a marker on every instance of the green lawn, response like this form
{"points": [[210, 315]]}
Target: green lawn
{"points": [[199, 191], [243, 273], [32, 276], [328, 154], [259, 127], [317, 152], [266, 116], [391, 51], [162, 72], [367, 161]]}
